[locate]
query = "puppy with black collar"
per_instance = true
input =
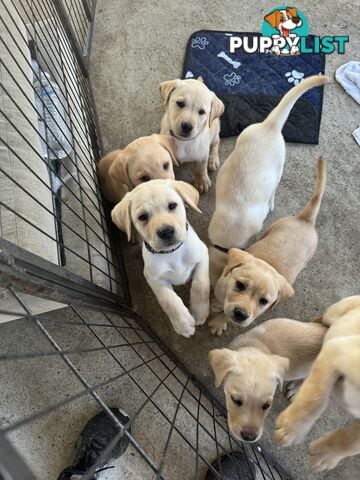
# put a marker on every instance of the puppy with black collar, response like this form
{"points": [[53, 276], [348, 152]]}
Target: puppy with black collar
{"points": [[192, 119], [173, 253]]}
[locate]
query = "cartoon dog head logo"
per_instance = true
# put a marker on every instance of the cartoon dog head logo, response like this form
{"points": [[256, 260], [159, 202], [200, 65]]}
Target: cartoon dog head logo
{"points": [[285, 25], [284, 20]]}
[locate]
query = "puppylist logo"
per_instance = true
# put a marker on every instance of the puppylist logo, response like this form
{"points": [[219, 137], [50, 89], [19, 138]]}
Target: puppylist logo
{"points": [[285, 31]]}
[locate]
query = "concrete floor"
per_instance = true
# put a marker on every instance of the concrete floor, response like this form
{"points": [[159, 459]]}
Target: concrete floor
{"points": [[136, 45], [150, 394]]}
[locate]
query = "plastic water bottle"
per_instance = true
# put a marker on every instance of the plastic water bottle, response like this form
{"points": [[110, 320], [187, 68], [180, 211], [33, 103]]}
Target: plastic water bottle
{"points": [[52, 127]]}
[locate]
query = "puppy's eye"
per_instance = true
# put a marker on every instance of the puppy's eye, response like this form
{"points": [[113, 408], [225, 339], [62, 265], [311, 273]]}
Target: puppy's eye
{"points": [[263, 301], [172, 206], [143, 217], [237, 401], [166, 166], [201, 112], [266, 406], [240, 286], [180, 104], [145, 178]]}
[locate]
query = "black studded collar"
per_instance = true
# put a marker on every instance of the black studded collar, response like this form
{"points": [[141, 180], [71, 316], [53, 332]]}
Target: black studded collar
{"points": [[162, 252]]}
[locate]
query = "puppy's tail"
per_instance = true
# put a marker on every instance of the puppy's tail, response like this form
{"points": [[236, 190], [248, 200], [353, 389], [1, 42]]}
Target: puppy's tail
{"points": [[311, 209], [277, 118]]}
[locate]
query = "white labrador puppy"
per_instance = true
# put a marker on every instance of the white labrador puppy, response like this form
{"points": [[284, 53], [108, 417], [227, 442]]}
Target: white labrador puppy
{"points": [[192, 118], [172, 252], [247, 181], [335, 373]]}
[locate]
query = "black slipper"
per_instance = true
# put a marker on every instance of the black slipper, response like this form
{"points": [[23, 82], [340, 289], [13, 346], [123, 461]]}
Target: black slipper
{"points": [[232, 466], [95, 437]]}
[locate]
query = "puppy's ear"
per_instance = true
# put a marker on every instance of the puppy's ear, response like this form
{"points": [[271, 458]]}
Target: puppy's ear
{"points": [[222, 362], [285, 291], [282, 365], [188, 193], [166, 89], [119, 170], [120, 215], [272, 18], [200, 79], [169, 144], [236, 257], [217, 109], [292, 11]]}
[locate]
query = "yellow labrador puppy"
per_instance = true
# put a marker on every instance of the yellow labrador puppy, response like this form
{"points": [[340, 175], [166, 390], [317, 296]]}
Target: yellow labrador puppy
{"points": [[260, 278], [248, 179], [144, 159], [336, 371], [256, 362], [173, 253], [192, 118]]}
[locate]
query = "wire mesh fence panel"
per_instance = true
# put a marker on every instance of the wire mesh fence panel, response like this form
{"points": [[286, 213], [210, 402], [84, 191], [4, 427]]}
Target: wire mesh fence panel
{"points": [[70, 345], [60, 368], [79, 13], [50, 203]]}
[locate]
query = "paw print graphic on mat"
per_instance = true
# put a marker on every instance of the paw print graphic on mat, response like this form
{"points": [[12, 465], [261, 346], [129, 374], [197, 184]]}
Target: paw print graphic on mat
{"points": [[294, 77], [199, 42], [231, 79]]}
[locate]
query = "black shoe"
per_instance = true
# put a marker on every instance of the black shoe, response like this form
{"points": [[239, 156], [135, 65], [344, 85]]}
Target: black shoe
{"points": [[232, 466], [93, 440]]}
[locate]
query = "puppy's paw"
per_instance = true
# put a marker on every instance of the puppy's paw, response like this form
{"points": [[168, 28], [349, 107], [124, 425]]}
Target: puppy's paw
{"points": [[202, 184], [185, 326], [323, 455], [214, 163], [288, 430], [294, 50], [291, 389], [218, 325], [216, 306], [200, 312], [276, 50]]}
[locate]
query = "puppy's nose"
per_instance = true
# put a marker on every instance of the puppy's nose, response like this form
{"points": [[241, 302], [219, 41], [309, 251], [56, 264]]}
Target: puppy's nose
{"points": [[166, 233], [248, 436], [296, 20], [240, 315], [186, 127]]}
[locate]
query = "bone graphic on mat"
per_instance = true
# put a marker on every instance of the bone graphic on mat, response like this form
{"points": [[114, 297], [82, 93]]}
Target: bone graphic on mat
{"points": [[229, 60]]}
